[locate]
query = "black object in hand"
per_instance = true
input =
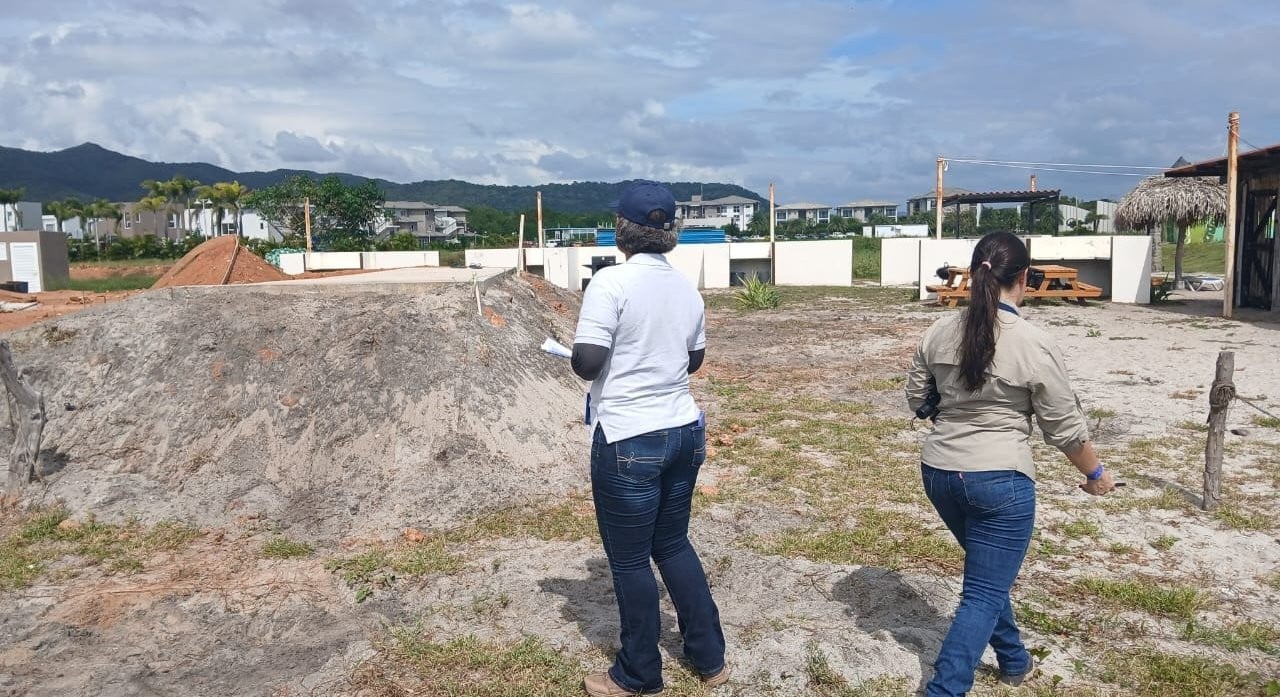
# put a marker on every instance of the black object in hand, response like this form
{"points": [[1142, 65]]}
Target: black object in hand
{"points": [[929, 410]]}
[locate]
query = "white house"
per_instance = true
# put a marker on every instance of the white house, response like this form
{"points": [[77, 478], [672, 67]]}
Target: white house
{"points": [[864, 209], [738, 210], [812, 212], [256, 227], [23, 215], [70, 226]]}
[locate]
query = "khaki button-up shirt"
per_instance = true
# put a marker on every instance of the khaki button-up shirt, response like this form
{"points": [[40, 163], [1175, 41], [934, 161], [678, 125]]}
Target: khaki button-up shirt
{"points": [[990, 428]]}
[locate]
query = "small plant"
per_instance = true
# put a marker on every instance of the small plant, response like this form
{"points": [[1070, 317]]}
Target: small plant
{"points": [[284, 548], [758, 295], [1180, 602], [1101, 413], [1093, 333], [1266, 422], [1081, 528], [1164, 543]]}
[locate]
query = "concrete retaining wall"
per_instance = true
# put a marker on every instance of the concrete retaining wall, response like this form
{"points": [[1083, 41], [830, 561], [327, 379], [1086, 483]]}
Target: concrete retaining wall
{"points": [[333, 261], [399, 260], [818, 263]]}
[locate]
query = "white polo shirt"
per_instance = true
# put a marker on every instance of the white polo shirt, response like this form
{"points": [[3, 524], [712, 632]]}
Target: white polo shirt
{"points": [[650, 317]]}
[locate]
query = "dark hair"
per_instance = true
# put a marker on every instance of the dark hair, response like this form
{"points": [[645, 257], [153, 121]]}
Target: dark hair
{"points": [[997, 261], [633, 238]]}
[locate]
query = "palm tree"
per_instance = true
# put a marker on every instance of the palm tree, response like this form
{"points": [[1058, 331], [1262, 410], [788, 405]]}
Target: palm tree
{"points": [[211, 197], [107, 210], [233, 195], [182, 188], [154, 205], [8, 199], [162, 190], [63, 211]]}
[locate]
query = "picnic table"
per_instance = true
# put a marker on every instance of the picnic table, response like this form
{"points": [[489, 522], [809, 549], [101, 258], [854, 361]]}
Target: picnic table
{"points": [[1059, 282]]}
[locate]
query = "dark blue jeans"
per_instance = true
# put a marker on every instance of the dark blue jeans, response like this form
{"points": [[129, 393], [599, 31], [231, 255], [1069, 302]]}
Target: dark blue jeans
{"points": [[643, 488], [991, 515]]}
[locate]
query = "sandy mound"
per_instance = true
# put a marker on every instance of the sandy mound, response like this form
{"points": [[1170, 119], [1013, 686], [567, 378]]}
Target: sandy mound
{"points": [[334, 413], [220, 261]]}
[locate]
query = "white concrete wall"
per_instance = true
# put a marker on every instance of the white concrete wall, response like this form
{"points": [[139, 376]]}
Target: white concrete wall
{"points": [[687, 259], [1070, 248], [333, 261], [814, 263], [400, 260], [935, 253], [293, 263], [748, 250], [555, 266], [533, 256], [715, 265], [900, 262], [492, 258], [1131, 269]]}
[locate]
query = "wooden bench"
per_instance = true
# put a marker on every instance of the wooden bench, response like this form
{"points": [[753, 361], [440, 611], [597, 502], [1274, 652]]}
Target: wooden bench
{"points": [[1059, 282]]}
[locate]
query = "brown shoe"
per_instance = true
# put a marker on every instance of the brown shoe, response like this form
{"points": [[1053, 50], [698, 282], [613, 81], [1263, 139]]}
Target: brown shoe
{"points": [[602, 685], [719, 678]]}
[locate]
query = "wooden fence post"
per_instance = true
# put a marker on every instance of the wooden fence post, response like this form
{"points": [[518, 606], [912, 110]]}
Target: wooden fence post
{"points": [[26, 416], [1220, 396]]}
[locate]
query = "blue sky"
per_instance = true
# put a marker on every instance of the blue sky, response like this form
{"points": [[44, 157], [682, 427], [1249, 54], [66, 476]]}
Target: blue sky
{"points": [[834, 101]]}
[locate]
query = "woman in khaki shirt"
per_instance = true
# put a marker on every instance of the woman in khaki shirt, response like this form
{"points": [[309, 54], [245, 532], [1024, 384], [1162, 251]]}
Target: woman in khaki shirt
{"points": [[992, 371]]}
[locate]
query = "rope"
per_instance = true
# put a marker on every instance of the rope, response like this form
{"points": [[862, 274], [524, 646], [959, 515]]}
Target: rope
{"points": [[1255, 406], [1221, 395]]}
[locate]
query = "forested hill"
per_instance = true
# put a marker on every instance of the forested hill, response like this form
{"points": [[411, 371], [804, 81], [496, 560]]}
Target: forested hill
{"points": [[90, 171]]}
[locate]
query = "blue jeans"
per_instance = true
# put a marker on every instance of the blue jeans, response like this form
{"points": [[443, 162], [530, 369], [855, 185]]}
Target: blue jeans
{"points": [[991, 515], [643, 488]]}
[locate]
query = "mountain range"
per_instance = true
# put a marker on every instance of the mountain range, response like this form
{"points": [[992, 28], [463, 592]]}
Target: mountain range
{"points": [[90, 171]]}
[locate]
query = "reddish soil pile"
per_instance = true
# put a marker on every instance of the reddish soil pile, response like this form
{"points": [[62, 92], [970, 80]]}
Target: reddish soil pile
{"points": [[218, 262]]}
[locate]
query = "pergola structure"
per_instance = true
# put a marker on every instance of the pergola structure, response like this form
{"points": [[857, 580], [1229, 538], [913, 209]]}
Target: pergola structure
{"points": [[1031, 198]]}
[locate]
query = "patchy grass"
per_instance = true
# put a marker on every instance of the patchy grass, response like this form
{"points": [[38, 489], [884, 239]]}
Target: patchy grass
{"points": [[824, 681], [1164, 543], [45, 536], [1081, 528], [1154, 674], [411, 663], [1207, 257], [1101, 413], [1197, 426], [284, 548], [866, 257], [884, 384], [874, 537], [1237, 517], [569, 521], [382, 566], [1046, 623], [1244, 635], [1176, 602], [138, 281], [1266, 421]]}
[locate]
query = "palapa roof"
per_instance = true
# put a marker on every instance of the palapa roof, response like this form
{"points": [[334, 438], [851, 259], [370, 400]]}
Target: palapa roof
{"points": [[1184, 200]]}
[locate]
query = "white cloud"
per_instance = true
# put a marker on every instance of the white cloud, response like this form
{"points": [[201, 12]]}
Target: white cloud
{"points": [[833, 99]]}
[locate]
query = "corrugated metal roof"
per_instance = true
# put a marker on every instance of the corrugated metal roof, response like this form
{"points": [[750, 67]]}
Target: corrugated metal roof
{"points": [[1261, 158]]}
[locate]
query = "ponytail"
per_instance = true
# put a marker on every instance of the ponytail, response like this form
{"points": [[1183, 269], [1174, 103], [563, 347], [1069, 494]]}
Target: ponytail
{"points": [[997, 261]]}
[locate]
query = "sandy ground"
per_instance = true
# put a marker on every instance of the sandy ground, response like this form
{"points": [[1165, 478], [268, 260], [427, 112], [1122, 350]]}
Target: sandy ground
{"points": [[216, 618]]}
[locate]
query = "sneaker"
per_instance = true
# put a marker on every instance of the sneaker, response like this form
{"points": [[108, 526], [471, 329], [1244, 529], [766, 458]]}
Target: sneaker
{"points": [[719, 678], [602, 685], [1016, 680]]}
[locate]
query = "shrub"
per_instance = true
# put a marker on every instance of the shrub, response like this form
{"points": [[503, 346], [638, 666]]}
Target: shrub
{"points": [[758, 295]]}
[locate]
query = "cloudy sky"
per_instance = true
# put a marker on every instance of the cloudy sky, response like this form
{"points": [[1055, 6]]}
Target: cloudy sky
{"points": [[832, 100]]}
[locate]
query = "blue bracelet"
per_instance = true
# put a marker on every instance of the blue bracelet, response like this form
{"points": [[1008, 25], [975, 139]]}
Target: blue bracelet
{"points": [[1097, 474]]}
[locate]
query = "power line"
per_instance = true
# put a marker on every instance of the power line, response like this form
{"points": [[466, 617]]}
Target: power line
{"points": [[1049, 164], [1055, 169]]}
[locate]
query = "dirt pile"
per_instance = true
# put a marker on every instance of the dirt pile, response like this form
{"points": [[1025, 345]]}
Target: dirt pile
{"points": [[220, 261], [334, 413]]}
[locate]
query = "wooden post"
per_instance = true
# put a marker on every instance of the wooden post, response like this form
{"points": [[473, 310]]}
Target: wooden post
{"points": [[541, 238], [306, 217], [520, 248], [1033, 182], [937, 205], [1220, 396], [26, 418], [1229, 229], [773, 222]]}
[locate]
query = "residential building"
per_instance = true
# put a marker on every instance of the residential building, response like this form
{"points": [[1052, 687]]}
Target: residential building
{"points": [[925, 202], [864, 210], [23, 215], [253, 225], [70, 226], [812, 212], [426, 221], [139, 223], [1105, 222], [738, 210]]}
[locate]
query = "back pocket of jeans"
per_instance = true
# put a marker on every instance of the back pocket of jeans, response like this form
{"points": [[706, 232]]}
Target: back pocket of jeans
{"points": [[640, 458], [991, 494]]}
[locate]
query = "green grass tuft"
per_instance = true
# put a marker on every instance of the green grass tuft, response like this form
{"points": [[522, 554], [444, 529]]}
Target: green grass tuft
{"points": [[284, 548], [1178, 602]]}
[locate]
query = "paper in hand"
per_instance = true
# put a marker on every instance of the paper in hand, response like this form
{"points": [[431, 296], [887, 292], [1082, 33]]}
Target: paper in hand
{"points": [[556, 348]]}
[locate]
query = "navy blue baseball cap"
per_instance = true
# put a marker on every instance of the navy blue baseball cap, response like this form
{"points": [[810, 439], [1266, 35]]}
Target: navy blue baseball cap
{"points": [[647, 203]]}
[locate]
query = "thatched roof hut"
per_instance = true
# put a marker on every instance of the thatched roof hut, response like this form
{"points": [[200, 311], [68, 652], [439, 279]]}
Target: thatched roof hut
{"points": [[1182, 201]]}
